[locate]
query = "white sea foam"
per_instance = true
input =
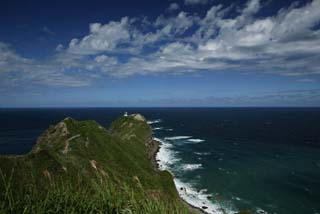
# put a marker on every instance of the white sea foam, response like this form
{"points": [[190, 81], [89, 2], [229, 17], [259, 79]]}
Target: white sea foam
{"points": [[195, 140], [154, 121], [157, 128], [202, 153], [191, 167], [170, 130], [198, 198], [166, 157], [261, 211], [177, 137]]}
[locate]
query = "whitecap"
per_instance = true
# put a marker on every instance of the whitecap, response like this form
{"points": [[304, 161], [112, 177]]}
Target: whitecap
{"points": [[177, 137], [157, 128], [195, 140], [236, 198], [202, 153], [191, 167], [261, 211], [154, 121]]}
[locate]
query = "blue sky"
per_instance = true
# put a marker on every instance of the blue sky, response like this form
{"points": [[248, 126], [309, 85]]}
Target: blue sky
{"points": [[159, 53]]}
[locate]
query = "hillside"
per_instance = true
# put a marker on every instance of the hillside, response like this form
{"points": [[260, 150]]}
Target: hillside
{"points": [[82, 167]]}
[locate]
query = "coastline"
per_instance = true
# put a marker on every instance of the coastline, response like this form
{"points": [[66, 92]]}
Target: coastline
{"points": [[153, 149]]}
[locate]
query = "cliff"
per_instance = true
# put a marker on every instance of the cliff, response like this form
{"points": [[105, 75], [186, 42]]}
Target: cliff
{"points": [[82, 167]]}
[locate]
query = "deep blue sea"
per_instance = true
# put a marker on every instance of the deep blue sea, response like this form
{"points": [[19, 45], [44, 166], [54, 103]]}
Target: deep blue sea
{"points": [[266, 160]]}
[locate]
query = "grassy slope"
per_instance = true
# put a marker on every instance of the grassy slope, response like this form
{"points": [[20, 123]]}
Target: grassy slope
{"points": [[79, 166]]}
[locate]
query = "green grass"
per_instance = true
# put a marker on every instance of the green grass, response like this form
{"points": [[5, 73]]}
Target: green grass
{"points": [[88, 169], [68, 197]]}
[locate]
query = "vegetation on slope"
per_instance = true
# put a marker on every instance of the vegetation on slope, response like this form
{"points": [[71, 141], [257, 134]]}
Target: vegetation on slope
{"points": [[81, 167]]}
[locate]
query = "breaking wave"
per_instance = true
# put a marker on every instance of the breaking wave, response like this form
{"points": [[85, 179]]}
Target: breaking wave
{"points": [[154, 121], [177, 137], [191, 167], [195, 140], [168, 159]]}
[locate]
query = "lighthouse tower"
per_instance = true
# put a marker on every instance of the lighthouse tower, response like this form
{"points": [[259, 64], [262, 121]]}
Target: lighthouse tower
{"points": [[125, 114]]}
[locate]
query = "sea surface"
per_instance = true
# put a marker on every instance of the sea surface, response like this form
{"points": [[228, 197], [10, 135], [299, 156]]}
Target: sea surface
{"points": [[266, 160]]}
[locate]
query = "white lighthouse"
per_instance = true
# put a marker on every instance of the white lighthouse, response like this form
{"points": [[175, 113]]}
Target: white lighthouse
{"points": [[125, 114]]}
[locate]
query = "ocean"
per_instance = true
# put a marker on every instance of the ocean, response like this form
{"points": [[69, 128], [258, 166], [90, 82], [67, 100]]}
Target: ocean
{"points": [[263, 160]]}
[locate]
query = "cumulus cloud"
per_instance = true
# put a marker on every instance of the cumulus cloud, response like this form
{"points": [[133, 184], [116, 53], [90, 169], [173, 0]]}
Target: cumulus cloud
{"points": [[59, 47], [285, 43], [102, 38], [104, 59]]}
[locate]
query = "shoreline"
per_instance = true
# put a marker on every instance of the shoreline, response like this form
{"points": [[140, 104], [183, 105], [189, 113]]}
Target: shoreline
{"points": [[153, 149]]}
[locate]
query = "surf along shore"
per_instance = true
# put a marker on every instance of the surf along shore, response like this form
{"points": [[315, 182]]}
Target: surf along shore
{"points": [[154, 146]]}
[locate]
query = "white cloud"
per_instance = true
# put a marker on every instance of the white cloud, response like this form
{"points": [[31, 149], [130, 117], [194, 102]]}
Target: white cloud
{"points": [[175, 25], [16, 70], [59, 47], [173, 7], [286, 43], [10, 60], [193, 2], [104, 59], [102, 38]]}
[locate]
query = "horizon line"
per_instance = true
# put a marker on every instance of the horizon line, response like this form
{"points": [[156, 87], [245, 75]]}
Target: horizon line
{"points": [[150, 107]]}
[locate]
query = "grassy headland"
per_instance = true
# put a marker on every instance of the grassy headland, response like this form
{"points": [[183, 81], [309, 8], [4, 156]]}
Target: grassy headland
{"points": [[82, 167]]}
